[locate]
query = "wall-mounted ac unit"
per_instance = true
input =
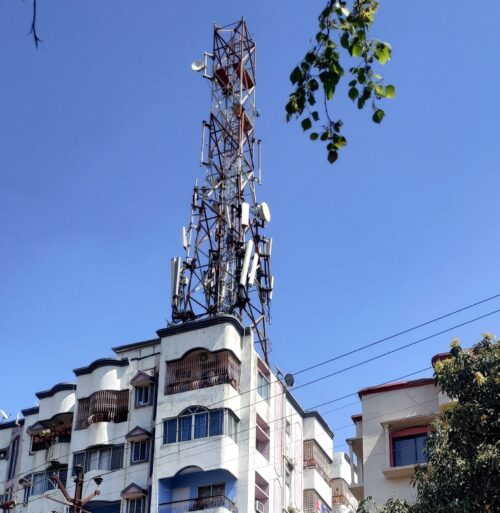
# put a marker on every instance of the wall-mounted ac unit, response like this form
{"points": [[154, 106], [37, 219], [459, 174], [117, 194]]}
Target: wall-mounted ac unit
{"points": [[259, 507]]}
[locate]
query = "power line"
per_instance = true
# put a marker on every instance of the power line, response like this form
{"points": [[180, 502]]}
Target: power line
{"points": [[400, 348], [390, 337], [345, 369], [203, 444]]}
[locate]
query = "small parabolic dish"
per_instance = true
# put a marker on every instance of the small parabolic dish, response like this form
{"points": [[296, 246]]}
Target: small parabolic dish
{"points": [[289, 380], [264, 212], [197, 66]]}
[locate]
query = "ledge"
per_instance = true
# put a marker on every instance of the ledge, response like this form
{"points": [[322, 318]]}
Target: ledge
{"points": [[60, 387], [31, 411], [200, 324], [102, 362], [397, 472]]}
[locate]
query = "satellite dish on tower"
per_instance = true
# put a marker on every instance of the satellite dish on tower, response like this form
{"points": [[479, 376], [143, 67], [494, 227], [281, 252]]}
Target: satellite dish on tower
{"points": [[264, 212], [197, 66]]}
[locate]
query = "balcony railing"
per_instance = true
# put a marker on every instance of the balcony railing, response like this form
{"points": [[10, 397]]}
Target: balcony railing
{"points": [[198, 504], [315, 458], [201, 369]]}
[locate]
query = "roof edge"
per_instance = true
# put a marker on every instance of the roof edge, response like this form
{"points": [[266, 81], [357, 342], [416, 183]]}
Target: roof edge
{"points": [[202, 323], [101, 362], [396, 386]]}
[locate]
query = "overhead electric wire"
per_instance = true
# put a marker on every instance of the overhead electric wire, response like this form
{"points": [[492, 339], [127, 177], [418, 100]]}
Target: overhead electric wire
{"points": [[390, 337], [216, 440], [400, 348], [101, 496], [344, 369]]}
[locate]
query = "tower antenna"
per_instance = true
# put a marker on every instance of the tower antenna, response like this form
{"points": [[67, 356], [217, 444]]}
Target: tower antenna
{"points": [[226, 268]]}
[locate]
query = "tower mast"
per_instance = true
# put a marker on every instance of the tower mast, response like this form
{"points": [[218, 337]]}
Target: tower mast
{"points": [[226, 268]]}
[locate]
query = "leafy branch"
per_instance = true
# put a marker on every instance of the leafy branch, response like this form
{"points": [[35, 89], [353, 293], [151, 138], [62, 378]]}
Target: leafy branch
{"points": [[340, 31]]}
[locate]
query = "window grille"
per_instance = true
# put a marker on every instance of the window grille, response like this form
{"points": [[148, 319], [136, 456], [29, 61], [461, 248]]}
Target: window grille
{"points": [[201, 369], [102, 406]]}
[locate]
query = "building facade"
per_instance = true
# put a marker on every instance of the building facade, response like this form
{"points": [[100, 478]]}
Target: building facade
{"points": [[191, 420], [390, 436]]}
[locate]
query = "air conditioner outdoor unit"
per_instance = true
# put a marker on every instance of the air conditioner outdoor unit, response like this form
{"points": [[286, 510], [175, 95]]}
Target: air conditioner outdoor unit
{"points": [[259, 507]]}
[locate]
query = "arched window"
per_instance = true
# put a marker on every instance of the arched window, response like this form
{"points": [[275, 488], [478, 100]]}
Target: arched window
{"points": [[199, 422]]}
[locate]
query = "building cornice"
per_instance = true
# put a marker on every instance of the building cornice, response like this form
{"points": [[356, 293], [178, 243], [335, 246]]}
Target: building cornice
{"points": [[396, 386], [175, 329], [136, 345], [12, 424], [31, 411], [101, 362], [60, 387]]}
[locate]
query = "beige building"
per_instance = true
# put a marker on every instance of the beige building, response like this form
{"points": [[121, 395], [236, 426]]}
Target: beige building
{"points": [[390, 435]]}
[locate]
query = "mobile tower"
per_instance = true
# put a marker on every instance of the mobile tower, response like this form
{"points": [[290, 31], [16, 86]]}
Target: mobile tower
{"points": [[226, 268]]}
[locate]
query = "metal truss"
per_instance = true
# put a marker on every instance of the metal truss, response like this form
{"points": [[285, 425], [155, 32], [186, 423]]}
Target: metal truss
{"points": [[226, 268]]}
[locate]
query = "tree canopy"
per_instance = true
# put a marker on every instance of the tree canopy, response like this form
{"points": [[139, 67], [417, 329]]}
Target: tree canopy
{"points": [[343, 38], [463, 450]]}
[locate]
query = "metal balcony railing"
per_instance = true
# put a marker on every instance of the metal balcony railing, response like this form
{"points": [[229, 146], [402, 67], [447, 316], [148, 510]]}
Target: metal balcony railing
{"points": [[201, 369], [198, 504], [315, 458]]}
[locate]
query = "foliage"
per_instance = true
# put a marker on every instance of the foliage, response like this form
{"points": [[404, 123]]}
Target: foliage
{"points": [[346, 32], [463, 451], [393, 505]]}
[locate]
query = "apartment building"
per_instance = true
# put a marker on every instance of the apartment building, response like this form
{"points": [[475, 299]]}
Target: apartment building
{"points": [[390, 435], [191, 420]]}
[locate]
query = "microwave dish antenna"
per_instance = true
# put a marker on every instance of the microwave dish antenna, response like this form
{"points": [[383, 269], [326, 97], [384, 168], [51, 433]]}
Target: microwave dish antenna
{"points": [[227, 267]]}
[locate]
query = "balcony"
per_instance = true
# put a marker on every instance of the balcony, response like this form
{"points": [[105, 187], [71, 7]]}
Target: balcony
{"points": [[315, 458], [102, 406], [201, 369], [212, 503]]}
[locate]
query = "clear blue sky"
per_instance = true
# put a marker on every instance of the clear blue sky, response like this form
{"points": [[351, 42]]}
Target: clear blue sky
{"points": [[99, 149]]}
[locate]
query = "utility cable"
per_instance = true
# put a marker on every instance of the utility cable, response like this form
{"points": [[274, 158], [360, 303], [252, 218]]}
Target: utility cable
{"points": [[344, 369]]}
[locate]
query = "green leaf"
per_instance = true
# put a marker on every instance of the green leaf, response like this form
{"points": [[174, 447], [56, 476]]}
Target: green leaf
{"points": [[296, 75], [356, 50], [379, 90], [332, 156], [378, 115], [315, 115], [353, 93], [344, 40], [325, 136], [310, 57], [306, 124], [313, 136], [313, 84], [390, 91], [382, 52]]}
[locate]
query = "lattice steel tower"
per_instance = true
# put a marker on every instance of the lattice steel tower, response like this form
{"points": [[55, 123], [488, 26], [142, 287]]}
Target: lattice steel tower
{"points": [[226, 269]]}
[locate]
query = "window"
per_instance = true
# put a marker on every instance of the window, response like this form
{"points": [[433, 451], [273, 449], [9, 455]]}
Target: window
{"points": [[263, 386], [102, 458], [210, 496], [198, 422], [14, 448], [4, 453], [136, 505], [143, 396], [41, 482], [211, 490], [407, 446], [139, 451]]}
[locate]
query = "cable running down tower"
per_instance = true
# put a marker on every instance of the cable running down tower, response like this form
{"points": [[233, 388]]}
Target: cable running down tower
{"points": [[226, 268]]}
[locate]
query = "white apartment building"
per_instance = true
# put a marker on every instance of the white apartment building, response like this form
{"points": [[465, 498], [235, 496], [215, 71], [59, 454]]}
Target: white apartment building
{"points": [[191, 420], [390, 435]]}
